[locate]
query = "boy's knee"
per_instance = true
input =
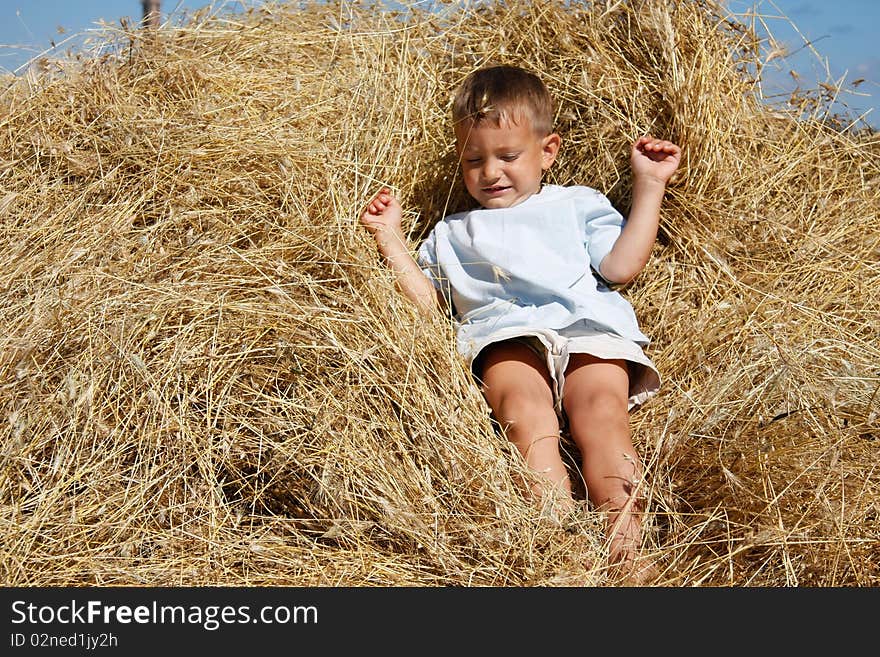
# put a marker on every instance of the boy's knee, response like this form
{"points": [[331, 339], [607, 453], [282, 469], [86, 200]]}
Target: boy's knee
{"points": [[524, 408], [599, 409]]}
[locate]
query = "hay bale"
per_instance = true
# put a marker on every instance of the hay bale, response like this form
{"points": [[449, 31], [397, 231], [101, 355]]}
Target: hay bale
{"points": [[207, 377]]}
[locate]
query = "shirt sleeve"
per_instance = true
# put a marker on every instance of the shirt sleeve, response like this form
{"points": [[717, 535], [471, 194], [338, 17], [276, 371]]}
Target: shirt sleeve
{"points": [[427, 260], [602, 225]]}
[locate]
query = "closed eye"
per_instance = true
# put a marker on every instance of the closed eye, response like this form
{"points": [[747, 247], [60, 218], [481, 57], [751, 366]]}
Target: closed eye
{"points": [[510, 157]]}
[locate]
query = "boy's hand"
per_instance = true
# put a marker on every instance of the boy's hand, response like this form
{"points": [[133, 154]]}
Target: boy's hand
{"points": [[654, 158], [383, 213]]}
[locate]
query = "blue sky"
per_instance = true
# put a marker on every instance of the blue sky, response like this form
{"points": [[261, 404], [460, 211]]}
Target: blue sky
{"points": [[844, 33], [847, 48]]}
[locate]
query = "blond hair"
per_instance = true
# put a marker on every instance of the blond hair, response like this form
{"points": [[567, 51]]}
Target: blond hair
{"points": [[504, 93]]}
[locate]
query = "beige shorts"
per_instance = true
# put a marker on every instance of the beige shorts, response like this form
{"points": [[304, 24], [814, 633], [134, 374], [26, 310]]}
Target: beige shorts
{"points": [[556, 347]]}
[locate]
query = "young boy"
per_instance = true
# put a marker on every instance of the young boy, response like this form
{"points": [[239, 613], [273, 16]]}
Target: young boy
{"points": [[528, 276]]}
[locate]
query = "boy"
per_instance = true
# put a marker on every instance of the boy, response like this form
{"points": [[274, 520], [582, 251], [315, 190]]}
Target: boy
{"points": [[528, 276]]}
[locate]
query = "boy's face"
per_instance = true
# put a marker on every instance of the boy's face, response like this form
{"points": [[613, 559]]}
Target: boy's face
{"points": [[503, 165]]}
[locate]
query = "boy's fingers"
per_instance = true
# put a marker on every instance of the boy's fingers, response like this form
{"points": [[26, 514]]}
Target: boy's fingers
{"points": [[380, 202], [660, 145]]}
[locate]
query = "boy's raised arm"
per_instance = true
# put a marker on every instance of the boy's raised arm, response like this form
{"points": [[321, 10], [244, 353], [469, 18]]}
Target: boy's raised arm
{"points": [[653, 162], [383, 217]]}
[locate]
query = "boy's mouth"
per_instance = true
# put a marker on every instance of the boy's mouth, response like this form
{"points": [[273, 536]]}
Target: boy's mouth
{"points": [[495, 190]]}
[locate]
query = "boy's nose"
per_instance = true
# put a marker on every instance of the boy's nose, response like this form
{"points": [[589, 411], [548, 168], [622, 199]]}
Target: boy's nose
{"points": [[491, 171]]}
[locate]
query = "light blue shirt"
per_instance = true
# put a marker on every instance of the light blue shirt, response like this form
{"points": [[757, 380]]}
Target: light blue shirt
{"points": [[507, 270]]}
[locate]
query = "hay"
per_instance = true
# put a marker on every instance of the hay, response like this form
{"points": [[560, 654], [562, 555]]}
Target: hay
{"points": [[206, 376]]}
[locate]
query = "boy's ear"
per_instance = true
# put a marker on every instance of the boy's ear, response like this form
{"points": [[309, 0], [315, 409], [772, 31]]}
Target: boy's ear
{"points": [[549, 149]]}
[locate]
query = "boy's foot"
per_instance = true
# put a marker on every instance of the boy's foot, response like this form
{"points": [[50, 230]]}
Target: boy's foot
{"points": [[632, 570], [627, 562]]}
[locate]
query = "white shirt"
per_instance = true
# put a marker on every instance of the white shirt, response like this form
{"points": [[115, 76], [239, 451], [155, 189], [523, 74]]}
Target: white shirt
{"points": [[532, 265]]}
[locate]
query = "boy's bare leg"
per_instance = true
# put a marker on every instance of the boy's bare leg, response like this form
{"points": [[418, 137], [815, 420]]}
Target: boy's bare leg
{"points": [[516, 385], [595, 400]]}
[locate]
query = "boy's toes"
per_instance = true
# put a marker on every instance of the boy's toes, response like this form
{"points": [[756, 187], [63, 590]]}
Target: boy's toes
{"points": [[635, 571]]}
